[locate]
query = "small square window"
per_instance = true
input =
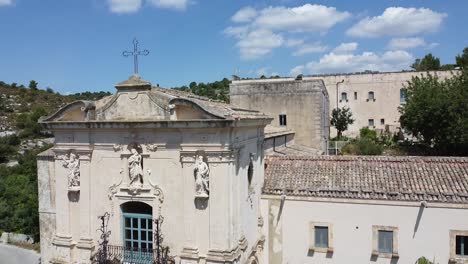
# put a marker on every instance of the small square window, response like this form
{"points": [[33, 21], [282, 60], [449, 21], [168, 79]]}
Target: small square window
{"points": [[382, 121], [355, 95], [282, 120], [370, 122], [385, 241], [461, 246], [321, 236]]}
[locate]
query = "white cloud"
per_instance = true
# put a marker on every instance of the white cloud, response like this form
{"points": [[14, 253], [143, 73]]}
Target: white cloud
{"points": [[245, 14], [258, 43], [349, 62], [262, 71], [310, 48], [267, 29], [292, 42], [123, 6], [6, 2], [132, 6], [297, 70], [398, 21], [406, 43], [349, 47], [306, 18], [409, 43], [432, 45], [171, 4], [237, 32]]}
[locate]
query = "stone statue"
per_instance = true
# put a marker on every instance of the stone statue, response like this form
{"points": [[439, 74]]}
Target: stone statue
{"points": [[73, 165], [135, 168], [202, 178]]}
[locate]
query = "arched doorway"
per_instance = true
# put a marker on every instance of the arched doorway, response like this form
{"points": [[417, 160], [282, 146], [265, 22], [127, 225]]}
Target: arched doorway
{"points": [[137, 222]]}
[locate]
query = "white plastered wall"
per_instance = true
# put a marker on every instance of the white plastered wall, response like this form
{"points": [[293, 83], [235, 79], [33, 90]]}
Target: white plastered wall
{"points": [[421, 232]]}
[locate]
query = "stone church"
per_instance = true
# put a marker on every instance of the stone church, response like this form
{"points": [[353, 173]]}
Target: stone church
{"points": [[204, 171], [147, 152]]}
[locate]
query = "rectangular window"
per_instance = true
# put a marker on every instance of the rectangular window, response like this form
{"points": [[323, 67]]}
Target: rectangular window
{"points": [[321, 236], [282, 120], [385, 241], [370, 122], [382, 121], [402, 96], [355, 95], [370, 96], [461, 245]]}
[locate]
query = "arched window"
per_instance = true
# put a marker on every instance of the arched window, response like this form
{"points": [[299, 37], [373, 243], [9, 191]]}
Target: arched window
{"points": [[137, 220], [344, 97]]}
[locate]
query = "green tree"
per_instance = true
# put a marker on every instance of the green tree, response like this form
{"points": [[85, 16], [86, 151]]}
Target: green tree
{"points": [[341, 119], [423, 260], [33, 85], [428, 63], [462, 60], [436, 112]]}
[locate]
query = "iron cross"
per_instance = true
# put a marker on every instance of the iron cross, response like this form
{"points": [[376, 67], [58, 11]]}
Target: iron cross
{"points": [[135, 54]]}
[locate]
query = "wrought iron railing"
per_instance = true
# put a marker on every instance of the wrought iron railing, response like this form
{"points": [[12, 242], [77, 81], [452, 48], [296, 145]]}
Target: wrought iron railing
{"points": [[118, 254]]}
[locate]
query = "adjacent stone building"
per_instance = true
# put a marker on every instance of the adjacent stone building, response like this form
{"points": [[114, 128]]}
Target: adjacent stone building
{"points": [[374, 99], [345, 209], [147, 152], [297, 106]]}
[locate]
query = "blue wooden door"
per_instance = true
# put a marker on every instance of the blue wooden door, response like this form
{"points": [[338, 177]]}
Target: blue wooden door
{"points": [[138, 238]]}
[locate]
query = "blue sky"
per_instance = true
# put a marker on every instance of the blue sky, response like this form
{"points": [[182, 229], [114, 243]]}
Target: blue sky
{"points": [[76, 45]]}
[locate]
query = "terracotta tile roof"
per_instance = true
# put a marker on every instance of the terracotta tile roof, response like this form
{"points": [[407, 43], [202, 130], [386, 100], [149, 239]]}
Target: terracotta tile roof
{"points": [[434, 179]]}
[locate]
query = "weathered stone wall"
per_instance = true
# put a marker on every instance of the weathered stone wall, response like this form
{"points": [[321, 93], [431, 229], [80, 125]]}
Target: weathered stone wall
{"points": [[305, 103], [46, 195], [285, 95], [386, 88]]}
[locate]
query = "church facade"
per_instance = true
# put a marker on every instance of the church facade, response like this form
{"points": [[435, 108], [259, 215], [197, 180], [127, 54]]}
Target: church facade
{"points": [[148, 153]]}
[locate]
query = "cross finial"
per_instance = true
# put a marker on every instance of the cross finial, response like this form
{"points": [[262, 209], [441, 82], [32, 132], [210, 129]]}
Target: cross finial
{"points": [[135, 53]]}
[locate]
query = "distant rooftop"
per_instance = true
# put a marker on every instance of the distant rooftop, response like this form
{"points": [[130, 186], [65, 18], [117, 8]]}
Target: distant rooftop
{"points": [[432, 179]]}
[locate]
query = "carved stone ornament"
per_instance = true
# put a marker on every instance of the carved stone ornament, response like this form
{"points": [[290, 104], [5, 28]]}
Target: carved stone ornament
{"points": [[202, 178], [117, 147], [72, 163], [151, 147], [135, 166]]}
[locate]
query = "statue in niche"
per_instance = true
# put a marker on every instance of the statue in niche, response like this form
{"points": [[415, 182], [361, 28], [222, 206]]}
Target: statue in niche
{"points": [[135, 164], [72, 163], [202, 177]]}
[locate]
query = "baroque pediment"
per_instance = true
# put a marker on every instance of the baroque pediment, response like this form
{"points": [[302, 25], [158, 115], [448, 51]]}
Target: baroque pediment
{"points": [[137, 100]]}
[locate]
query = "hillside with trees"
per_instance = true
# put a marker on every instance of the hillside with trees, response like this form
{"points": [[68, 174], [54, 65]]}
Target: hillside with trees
{"points": [[218, 90], [22, 138]]}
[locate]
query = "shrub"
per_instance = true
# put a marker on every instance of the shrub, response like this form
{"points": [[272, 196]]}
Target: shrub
{"points": [[362, 146], [370, 134]]}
